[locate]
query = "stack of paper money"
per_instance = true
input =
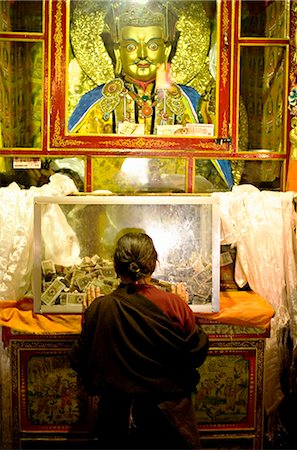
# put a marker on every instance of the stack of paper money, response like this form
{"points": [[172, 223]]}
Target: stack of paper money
{"points": [[69, 285]]}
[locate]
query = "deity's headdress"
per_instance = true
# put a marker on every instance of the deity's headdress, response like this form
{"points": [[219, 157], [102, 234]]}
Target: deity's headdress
{"points": [[151, 13]]}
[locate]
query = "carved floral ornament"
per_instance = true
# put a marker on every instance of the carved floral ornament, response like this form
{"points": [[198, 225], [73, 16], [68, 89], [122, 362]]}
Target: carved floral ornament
{"points": [[292, 99], [293, 110], [293, 94]]}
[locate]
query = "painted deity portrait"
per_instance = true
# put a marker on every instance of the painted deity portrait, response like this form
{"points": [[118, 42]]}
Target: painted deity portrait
{"points": [[142, 68]]}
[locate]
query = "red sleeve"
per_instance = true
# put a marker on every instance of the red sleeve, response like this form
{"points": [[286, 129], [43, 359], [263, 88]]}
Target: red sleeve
{"points": [[172, 305]]}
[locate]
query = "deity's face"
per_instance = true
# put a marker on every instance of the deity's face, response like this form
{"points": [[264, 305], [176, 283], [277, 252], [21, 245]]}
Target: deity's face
{"points": [[141, 50]]}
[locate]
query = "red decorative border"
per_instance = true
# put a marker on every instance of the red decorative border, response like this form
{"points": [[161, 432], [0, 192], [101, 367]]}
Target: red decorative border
{"points": [[255, 358], [21, 354]]}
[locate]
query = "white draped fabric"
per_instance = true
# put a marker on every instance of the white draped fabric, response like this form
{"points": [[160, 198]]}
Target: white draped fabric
{"points": [[262, 226], [16, 233]]}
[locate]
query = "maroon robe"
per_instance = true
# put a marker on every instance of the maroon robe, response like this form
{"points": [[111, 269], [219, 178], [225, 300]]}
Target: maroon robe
{"points": [[130, 349]]}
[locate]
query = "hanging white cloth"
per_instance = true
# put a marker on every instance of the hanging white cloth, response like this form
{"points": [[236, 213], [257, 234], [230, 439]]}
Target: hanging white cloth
{"points": [[262, 226], [16, 233]]}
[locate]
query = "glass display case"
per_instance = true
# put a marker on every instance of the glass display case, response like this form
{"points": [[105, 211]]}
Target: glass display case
{"points": [[74, 240]]}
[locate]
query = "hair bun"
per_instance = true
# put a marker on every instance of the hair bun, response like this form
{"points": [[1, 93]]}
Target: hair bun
{"points": [[133, 267]]}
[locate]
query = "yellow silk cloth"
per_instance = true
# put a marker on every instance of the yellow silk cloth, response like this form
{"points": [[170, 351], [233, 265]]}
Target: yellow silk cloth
{"points": [[245, 309], [242, 308]]}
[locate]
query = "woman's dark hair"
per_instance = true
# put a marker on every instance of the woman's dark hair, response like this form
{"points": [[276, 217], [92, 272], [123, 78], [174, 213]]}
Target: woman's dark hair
{"points": [[135, 256]]}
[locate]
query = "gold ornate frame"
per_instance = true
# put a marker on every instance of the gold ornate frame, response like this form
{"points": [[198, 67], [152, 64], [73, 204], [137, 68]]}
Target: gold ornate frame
{"points": [[61, 139]]}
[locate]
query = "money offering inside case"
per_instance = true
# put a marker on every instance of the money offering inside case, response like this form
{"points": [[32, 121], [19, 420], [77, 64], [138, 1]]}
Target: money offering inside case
{"points": [[75, 236]]}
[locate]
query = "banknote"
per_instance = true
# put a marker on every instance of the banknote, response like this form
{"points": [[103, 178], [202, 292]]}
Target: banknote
{"points": [[74, 276], [52, 292], [86, 262], [191, 129], [202, 296], [200, 129], [130, 128], [95, 258], [225, 259], [82, 282], [108, 271], [63, 298], [75, 298], [48, 267], [204, 275]]}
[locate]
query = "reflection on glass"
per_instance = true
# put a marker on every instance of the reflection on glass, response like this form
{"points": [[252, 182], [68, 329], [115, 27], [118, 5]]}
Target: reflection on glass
{"points": [[265, 175], [134, 175], [264, 18], [25, 171], [262, 174], [21, 16], [136, 68], [262, 89], [21, 94], [210, 175]]}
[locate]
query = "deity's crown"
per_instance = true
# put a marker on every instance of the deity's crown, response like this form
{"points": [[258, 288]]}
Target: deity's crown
{"points": [[152, 13], [141, 16]]}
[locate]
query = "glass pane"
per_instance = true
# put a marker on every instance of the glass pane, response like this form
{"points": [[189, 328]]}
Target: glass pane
{"points": [[213, 175], [21, 94], [209, 174], [133, 175], [136, 68], [265, 175], [264, 18], [262, 90], [27, 172], [21, 16]]}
